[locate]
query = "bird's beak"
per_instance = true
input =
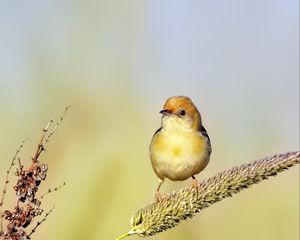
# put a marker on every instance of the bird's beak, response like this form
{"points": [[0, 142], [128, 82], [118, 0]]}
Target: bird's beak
{"points": [[165, 112]]}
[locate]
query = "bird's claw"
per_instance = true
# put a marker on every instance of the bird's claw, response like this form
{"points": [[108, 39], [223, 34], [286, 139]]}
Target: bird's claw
{"points": [[159, 197], [195, 183]]}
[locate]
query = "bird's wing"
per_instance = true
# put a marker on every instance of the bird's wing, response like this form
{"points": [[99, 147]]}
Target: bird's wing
{"points": [[203, 131], [157, 131]]}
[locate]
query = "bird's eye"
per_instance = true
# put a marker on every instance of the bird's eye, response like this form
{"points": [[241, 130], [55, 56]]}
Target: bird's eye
{"points": [[182, 113]]}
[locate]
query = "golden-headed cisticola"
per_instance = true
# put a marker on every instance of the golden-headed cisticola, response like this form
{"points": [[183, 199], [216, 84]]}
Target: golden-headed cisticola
{"points": [[181, 147]]}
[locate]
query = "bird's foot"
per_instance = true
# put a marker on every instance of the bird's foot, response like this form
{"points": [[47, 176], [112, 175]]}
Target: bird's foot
{"points": [[195, 183], [159, 197]]}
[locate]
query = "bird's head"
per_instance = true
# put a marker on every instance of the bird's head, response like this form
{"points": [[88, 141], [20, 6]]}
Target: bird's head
{"points": [[179, 112]]}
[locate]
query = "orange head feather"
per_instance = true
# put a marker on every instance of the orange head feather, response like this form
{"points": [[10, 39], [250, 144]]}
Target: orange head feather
{"points": [[183, 107]]}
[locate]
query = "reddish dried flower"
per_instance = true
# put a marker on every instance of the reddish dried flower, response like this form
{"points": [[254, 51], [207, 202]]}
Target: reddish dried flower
{"points": [[29, 181]]}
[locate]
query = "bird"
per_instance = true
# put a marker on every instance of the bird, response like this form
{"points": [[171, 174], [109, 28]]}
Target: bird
{"points": [[181, 147]]}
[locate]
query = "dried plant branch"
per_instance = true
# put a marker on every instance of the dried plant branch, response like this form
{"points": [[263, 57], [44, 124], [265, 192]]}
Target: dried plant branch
{"points": [[57, 123], [184, 204], [28, 206], [40, 222], [7, 181], [41, 145], [50, 190], [48, 131]]}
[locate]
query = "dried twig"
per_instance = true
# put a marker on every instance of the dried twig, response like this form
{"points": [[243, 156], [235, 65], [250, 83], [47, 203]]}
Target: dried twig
{"points": [[50, 129], [40, 222], [28, 206], [57, 123], [50, 190], [184, 204], [7, 181], [41, 145]]}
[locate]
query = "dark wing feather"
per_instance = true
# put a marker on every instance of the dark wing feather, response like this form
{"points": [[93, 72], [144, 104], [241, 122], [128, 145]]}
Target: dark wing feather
{"points": [[204, 133], [157, 131]]}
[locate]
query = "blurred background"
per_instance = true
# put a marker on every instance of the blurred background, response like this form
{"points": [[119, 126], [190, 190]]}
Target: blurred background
{"points": [[116, 62]]}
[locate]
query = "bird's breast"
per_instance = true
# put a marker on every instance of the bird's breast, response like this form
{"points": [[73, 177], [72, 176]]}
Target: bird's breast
{"points": [[178, 155], [176, 144]]}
